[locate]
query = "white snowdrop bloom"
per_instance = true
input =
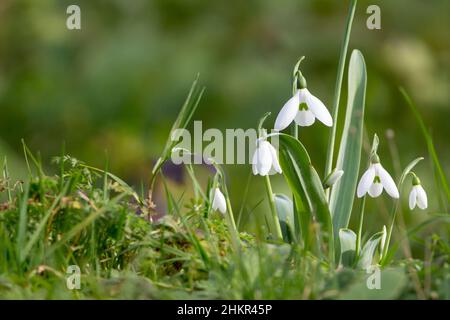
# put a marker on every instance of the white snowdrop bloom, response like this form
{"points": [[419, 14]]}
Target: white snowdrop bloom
{"points": [[303, 108], [219, 202], [374, 180], [418, 196], [265, 160]]}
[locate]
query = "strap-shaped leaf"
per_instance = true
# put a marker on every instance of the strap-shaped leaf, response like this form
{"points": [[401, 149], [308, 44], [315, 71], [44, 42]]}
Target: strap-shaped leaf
{"points": [[368, 251], [285, 212], [349, 157], [305, 184], [348, 247]]}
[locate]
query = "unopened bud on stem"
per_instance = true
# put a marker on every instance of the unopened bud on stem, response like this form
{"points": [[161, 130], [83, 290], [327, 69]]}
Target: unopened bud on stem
{"points": [[332, 178]]}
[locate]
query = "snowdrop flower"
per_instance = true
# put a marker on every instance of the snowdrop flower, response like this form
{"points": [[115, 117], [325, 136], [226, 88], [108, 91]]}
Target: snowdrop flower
{"points": [[219, 202], [303, 108], [375, 179], [417, 196], [265, 160]]}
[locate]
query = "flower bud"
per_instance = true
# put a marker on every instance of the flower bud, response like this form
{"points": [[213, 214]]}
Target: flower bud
{"points": [[332, 178]]}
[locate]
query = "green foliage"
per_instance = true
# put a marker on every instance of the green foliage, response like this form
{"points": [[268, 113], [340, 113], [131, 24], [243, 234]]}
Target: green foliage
{"points": [[285, 211], [349, 156], [348, 247], [310, 199], [55, 221]]}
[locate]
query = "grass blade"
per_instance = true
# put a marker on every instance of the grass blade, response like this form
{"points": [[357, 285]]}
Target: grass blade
{"points": [[187, 110], [42, 223], [85, 223], [22, 227]]}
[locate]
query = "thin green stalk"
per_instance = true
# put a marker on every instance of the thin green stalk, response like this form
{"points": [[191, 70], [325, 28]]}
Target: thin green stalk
{"points": [[61, 167], [105, 178], [337, 91], [244, 198], [295, 127], [230, 212], [231, 223], [6, 178], [273, 209], [361, 222], [389, 232], [22, 225], [197, 188]]}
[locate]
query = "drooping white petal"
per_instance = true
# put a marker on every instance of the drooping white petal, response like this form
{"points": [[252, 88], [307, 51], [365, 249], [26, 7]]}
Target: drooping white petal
{"points": [[287, 113], [275, 163], [219, 202], [272, 171], [263, 158], [305, 118], [254, 161], [422, 199], [318, 108], [412, 198], [387, 181], [365, 182], [375, 189]]}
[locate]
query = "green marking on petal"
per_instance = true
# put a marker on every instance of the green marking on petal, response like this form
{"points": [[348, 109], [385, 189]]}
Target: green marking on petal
{"points": [[376, 179], [303, 106]]}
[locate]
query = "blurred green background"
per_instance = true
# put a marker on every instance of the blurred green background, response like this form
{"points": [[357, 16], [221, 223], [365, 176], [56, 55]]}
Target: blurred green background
{"points": [[118, 83]]}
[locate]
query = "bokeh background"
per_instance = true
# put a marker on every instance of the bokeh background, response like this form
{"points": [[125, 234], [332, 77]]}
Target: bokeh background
{"points": [[118, 83]]}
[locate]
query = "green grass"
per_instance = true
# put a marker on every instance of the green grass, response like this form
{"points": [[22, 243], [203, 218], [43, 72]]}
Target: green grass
{"points": [[81, 216]]}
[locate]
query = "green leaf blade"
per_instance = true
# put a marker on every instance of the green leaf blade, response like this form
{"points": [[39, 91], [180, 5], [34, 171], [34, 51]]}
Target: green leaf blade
{"points": [[305, 183], [349, 157], [348, 247], [285, 212], [367, 253]]}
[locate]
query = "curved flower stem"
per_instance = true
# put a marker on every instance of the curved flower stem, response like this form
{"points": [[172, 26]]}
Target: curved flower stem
{"points": [[273, 209], [229, 217], [361, 222], [389, 234], [230, 213], [337, 90]]}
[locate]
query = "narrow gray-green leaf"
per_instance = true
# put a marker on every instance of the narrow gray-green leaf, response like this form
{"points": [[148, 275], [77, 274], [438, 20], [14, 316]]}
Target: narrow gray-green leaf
{"points": [[304, 182], [348, 247], [349, 157], [285, 212], [366, 257]]}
